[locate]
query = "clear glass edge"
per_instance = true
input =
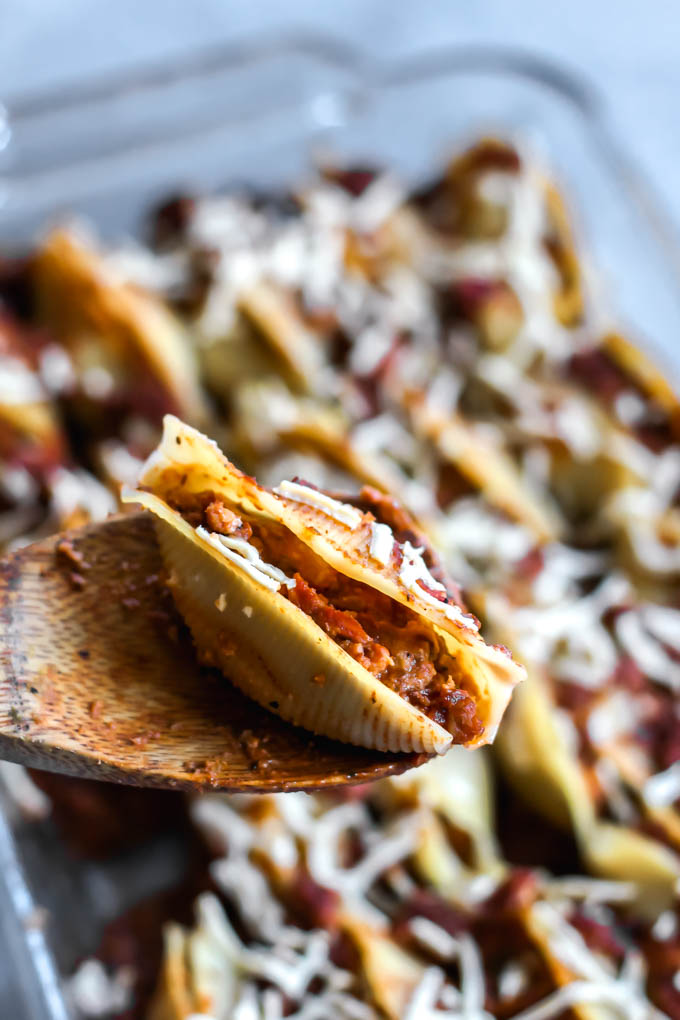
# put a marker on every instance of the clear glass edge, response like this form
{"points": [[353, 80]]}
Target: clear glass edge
{"points": [[21, 926], [199, 64]]}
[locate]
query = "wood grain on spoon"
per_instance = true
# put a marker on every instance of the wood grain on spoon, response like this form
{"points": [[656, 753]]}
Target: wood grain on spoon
{"points": [[98, 678]]}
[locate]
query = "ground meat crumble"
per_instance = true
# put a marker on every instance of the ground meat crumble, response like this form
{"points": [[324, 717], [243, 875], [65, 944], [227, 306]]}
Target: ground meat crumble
{"points": [[391, 641]]}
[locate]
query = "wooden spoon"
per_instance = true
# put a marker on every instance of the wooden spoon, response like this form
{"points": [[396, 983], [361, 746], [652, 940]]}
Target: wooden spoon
{"points": [[98, 678]]}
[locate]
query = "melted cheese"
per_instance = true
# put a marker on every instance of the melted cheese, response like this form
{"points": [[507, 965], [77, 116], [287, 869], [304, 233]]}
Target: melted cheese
{"points": [[647, 652], [434, 938], [18, 383], [512, 980], [591, 890], [95, 992], [77, 490], [665, 927], [56, 370], [614, 717], [18, 484], [118, 462], [247, 557], [663, 789], [343, 513], [426, 995], [571, 637], [414, 569], [382, 543]]}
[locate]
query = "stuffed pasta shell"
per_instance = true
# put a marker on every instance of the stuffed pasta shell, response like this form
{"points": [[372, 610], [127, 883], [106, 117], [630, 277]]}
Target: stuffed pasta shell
{"points": [[317, 609]]}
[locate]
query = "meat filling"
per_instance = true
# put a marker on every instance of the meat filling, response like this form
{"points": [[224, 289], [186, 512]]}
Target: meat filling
{"points": [[391, 641]]}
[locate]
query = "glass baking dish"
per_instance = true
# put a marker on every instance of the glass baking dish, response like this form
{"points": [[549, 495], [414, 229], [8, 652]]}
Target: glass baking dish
{"points": [[257, 116]]}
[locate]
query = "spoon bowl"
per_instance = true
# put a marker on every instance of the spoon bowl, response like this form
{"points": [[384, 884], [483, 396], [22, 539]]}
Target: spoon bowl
{"points": [[99, 678]]}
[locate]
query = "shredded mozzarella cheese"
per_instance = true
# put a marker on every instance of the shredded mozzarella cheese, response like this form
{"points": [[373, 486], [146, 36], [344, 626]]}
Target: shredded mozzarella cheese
{"points": [[663, 789], [247, 557], [341, 512], [382, 543]]}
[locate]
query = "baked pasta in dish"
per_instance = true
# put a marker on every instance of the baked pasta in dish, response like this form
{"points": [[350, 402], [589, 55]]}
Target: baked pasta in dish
{"points": [[443, 353], [394, 901]]}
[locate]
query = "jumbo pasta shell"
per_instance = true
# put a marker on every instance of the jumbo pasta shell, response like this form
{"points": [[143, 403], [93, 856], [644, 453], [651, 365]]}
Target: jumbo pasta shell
{"points": [[646, 374], [276, 655], [269, 422], [273, 650], [622, 853], [390, 973], [538, 762], [459, 788], [274, 315], [79, 298], [488, 467], [173, 998]]}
